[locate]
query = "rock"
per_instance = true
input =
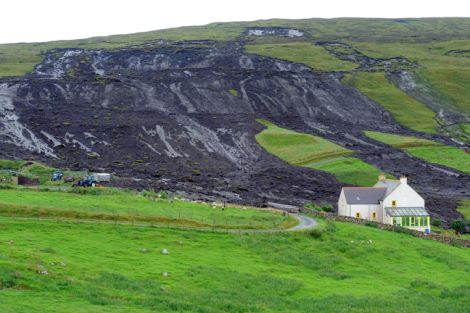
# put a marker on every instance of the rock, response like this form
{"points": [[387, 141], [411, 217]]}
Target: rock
{"points": [[165, 274], [165, 251]]}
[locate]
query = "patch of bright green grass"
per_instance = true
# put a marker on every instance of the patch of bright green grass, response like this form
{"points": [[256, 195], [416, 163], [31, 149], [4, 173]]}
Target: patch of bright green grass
{"points": [[464, 208], [129, 206], [466, 127], [233, 92], [116, 268], [315, 152], [427, 150], [297, 148], [405, 109], [306, 53], [350, 170], [400, 141]]}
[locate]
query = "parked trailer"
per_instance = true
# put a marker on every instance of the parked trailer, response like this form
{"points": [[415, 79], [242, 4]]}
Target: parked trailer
{"points": [[102, 177]]}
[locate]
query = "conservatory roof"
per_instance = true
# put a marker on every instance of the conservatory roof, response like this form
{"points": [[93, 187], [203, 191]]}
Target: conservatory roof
{"points": [[406, 211]]}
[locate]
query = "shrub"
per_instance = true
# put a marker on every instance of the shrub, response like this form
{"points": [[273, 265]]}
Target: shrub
{"points": [[325, 207], [8, 278], [436, 222], [311, 205], [371, 224], [458, 226], [315, 233]]}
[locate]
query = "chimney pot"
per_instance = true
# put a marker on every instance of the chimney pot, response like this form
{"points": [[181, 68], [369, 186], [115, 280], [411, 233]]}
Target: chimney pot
{"points": [[403, 180]]}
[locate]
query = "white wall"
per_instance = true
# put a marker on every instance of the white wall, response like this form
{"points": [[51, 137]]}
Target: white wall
{"points": [[405, 196], [366, 210], [343, 209]]}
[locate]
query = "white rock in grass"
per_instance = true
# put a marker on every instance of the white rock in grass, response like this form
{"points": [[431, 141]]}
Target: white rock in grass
{"points": [[165, 274], [165, 251]]}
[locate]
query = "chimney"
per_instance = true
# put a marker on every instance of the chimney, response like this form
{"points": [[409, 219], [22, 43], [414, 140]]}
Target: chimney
{"points": [[381, 177], [403, 180]]}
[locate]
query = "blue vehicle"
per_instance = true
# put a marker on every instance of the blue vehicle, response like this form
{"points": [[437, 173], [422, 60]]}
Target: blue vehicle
{"points": [[57, 176], [87, 181]]}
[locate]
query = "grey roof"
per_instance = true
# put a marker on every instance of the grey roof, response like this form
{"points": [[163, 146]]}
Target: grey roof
{"points": [[390, 184], [364, 195], [406, 211]]}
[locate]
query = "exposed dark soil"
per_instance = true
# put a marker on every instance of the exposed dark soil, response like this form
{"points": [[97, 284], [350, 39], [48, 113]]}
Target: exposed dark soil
{"points": [[166, 117]]}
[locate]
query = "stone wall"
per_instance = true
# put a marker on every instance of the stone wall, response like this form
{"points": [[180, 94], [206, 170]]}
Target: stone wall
{"points": [[437, 237]]}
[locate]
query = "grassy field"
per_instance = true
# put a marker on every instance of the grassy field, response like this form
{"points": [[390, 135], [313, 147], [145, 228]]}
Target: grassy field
{"points": [[447, 73], [350, 170], [297, 148], [427, 150], [315, 152], [68, 267], [115, 205], [405, 109], [313, 56]]}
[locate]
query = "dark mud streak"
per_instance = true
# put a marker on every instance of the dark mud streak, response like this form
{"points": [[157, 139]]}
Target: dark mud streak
{"points": [[165, 118]]}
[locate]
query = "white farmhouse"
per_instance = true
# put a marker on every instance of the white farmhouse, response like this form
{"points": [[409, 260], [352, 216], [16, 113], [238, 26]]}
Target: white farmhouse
{"points": [[388, 201]]}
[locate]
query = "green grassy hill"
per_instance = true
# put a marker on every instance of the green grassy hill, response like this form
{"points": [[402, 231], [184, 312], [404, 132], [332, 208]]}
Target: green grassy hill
{"points": [[316, 152], [406, 110], [301, 52], [437, 45], [48, 266], [115, 205]]}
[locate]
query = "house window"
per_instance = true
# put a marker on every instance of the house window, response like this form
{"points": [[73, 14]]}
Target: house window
{"points": [[394, 203], [358, 215], [374, 215]]}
